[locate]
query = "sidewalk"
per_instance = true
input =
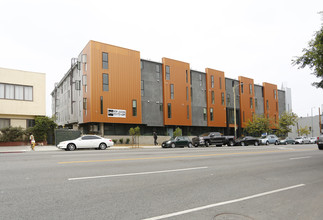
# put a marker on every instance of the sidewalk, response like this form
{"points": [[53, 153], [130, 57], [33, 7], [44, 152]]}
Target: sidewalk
{"points": [[22, 149]]}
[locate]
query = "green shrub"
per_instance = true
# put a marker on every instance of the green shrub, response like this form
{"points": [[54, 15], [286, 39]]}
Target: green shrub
{"points": [[127, 141], [114, 141], [12, 134], [121, 140]]}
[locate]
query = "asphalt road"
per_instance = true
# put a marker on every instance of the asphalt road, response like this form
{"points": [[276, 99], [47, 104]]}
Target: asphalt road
{"points": [[264, 182]]}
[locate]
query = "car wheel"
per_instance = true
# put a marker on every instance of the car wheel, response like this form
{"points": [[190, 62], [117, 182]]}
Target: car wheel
{"points": [[173, 145], [256, 143], [267, 143], [207, 144], [190, 145], [102, 146], [276, 142], [230, 143], [71, 147], [242, 144], [196, 145], [320, 147]]}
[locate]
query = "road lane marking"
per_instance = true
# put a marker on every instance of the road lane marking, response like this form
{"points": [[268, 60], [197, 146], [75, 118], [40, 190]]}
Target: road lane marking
{"points": [[298, 158], [172, 157], [223, 203], [134, 174]]}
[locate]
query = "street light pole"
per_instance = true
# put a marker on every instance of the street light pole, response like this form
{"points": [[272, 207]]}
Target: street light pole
{"points": [[234, 110], [312, 119]]}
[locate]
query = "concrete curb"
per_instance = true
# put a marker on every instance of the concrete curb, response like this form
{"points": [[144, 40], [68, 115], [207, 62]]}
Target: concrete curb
{"points": [[23, 149]]}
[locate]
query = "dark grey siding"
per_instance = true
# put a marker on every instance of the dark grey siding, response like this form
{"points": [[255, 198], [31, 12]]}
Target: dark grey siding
{"points": [[281, 102], [229, 83], [152, 95], [259, 98], [198, 98]]}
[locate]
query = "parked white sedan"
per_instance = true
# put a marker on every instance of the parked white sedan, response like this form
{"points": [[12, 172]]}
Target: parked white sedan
{"points": [[86, 141]]}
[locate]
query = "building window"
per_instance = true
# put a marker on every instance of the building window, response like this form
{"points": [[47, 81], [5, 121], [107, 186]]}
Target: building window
{"points": [[191, 94], [251, 103], [84, 82], [167, 73], [28, 93], [200, 77], [222, 98], [220, 81], [186, 77], [78, 85], [105, 81], [141, 65], [1, 91], [101, 104], [171, 91], [256, 103], [243, 117], [157, 72], [228, 99], [169, 110], [267, 105], [275, 94], [191, 78], [212, 97], [85, 105], [242, 88], [142, 88], [277, 106], [212, 81], [105, 63], [134, 107], [19, 92], [16, 92], [211, 114], [188, 112], [187, 95], [10, 91], [204, 114], [4, 123], [30, 123], [250, 89]]}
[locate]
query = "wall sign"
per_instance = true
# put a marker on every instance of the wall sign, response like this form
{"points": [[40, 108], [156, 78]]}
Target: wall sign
{"points": [[116, 113]]}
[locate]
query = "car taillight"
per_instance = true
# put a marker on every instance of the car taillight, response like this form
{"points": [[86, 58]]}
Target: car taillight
{"points": [[318, 138]]}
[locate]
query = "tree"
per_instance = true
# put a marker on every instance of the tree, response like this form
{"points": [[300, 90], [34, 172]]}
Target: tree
{"points": [[259, 125], [303, 131], [43, 125], [313, 57], [286, 120], [177, 132], [134, 132]]}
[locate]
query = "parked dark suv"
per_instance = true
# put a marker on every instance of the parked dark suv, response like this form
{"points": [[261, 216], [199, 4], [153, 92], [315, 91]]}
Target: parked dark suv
{"points": [[212, 138]]}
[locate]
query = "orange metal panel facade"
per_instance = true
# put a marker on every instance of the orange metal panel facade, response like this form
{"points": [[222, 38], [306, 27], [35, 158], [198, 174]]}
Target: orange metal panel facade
{"points": [[247, 100], [271, 102], [215, 95], [124, 83], [179, 77]]}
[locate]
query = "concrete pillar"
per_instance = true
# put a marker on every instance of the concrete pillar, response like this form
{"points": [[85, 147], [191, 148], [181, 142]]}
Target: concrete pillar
{"points": [[102, 129]]}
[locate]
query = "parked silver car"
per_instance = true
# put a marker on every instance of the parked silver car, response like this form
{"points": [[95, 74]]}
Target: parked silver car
{"points": [[269, 139]]}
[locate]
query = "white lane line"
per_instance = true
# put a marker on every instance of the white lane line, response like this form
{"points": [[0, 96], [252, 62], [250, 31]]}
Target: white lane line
{"points": [[134, 174], [223, 203], [298, 158]]}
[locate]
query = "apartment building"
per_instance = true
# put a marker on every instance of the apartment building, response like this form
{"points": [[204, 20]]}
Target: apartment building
{"points": [[22, 97], [109, 89]]}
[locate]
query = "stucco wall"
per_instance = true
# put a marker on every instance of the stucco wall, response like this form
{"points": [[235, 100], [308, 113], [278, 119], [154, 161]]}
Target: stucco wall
{"points": [[19, 107]]}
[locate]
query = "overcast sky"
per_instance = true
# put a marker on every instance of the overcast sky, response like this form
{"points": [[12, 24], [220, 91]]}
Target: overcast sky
{"points": [[251, 38]]}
